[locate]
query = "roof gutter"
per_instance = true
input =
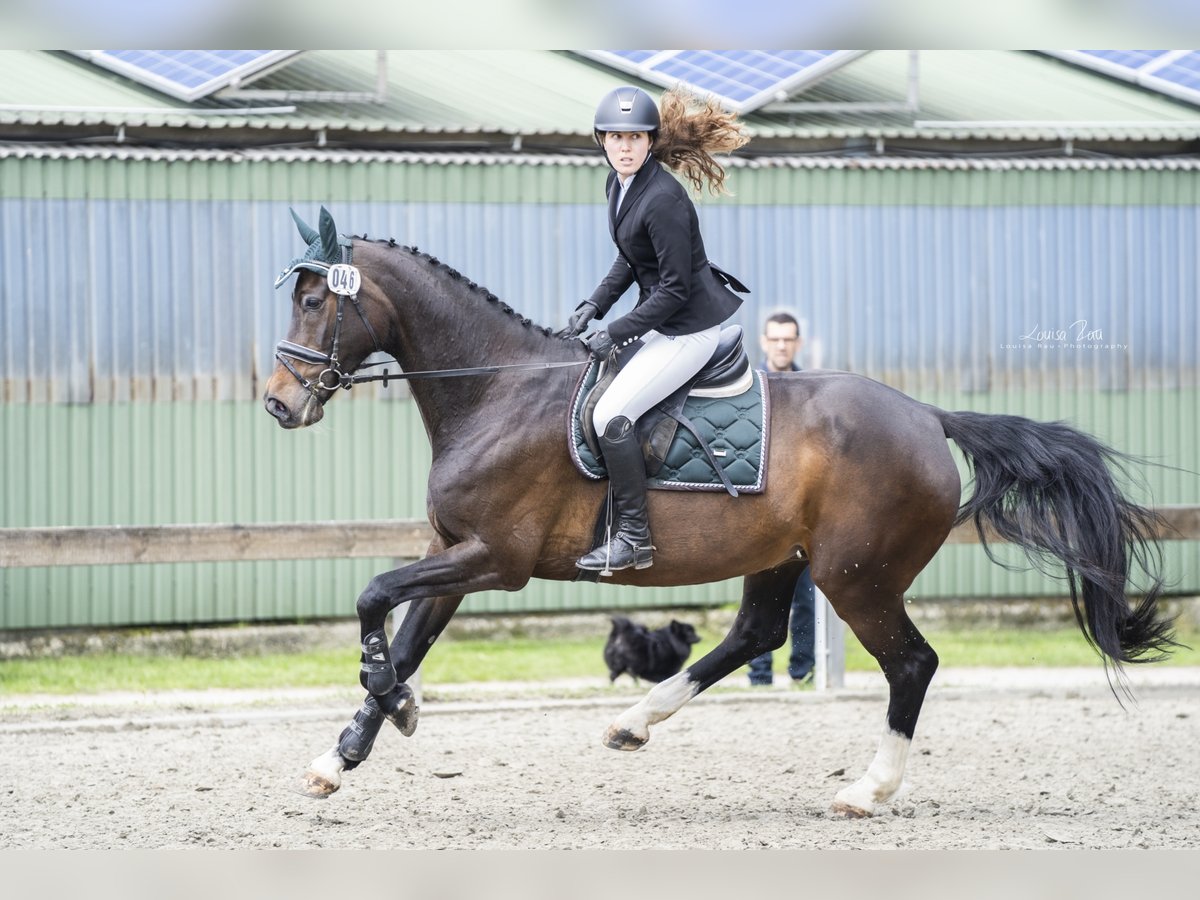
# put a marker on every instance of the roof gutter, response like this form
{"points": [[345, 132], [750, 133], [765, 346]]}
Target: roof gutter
{"points": [[1057, 125], [302, 155]]}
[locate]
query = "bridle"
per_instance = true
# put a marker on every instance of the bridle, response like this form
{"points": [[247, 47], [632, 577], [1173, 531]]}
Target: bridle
{"points": [[344, 280]]}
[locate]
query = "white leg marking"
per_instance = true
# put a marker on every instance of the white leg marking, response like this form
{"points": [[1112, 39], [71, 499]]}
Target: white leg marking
{"points": [[882, 781], [662, 701], [324, 775]]}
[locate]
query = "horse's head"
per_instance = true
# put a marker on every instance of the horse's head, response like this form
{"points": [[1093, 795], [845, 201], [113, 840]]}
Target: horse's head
{"points": [[330, 332]]}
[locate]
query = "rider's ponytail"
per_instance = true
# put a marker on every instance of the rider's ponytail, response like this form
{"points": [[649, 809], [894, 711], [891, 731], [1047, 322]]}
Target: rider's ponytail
{"points": [[688, 138]]}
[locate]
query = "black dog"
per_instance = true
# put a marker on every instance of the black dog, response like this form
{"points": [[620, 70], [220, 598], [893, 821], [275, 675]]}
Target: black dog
{"points": [[653, 655]]}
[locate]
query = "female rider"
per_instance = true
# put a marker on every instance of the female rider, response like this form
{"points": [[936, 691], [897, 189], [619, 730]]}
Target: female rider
{"points": [[683, 298]]}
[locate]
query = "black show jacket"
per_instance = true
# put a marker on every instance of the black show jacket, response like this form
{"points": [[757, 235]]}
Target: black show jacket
{"points": [[659, 246]]}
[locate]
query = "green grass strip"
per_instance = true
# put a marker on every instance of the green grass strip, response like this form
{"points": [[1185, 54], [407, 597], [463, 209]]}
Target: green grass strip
{"points": [[518, 659]]}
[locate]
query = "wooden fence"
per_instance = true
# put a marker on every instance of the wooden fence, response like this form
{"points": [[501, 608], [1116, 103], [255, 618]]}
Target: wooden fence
{"points": [[395, 539]]}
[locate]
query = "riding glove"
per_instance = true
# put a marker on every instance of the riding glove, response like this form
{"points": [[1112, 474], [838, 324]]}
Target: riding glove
{"points": [[599, 344], [584, 313]]}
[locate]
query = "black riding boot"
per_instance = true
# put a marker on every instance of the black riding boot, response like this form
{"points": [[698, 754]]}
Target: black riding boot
{"points": [[630, 546]]}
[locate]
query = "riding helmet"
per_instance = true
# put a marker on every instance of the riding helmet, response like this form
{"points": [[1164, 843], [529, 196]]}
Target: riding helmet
{"points": [[626, 108]]}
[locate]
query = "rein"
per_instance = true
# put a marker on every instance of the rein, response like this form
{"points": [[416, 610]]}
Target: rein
{"points": [[344, 280], [305, 354]]}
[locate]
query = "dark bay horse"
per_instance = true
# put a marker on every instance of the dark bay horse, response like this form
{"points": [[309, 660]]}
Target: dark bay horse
{"points": [[862, 489]]}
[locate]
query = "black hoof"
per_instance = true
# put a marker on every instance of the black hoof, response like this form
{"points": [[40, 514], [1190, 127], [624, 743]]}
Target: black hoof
{"points": [[356, 741], [376, 674], [400, 708]]}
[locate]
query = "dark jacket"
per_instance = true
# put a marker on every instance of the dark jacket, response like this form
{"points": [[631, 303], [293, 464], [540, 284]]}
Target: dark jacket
{"points": [[659, 246]]}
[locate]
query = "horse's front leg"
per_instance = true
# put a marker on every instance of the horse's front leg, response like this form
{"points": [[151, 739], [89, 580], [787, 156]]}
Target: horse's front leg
{"points": [[761, 625], [421, 626], [463, 566], [450, 574]]}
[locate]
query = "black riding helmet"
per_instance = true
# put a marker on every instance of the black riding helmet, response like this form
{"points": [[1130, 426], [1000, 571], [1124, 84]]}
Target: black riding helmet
{"points": [[625, 108]]}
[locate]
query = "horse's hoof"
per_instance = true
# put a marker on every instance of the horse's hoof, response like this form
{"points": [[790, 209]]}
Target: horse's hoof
{"points": [[316, 786], [623, 739], [324, 775], [848, 811], [400, 708]]}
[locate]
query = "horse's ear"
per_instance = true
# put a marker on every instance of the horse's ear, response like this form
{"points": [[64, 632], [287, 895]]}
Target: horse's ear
{"points": [[330, 250], [306, 231]]}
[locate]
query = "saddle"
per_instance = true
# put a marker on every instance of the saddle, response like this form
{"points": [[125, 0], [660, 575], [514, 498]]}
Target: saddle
{"points": [[691, 461]]}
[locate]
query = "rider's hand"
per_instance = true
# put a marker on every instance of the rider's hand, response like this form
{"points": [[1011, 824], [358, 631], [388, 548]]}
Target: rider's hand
{"points": [[584, 313], [600, 345]]}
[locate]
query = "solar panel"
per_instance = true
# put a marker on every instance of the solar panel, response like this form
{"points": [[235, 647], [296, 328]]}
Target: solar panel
{"points": [[742, 80], [186, 74], [634, 56], [1184, 71], [1132, 59], [1172, 72]]}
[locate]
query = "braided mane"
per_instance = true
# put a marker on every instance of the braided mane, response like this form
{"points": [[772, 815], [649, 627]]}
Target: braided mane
{"points": [[471, 285]]}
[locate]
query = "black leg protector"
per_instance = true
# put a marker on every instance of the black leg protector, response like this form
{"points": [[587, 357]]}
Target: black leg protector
{"points": [[376, 674], [630, 547], [356, 741], [398, 707]]}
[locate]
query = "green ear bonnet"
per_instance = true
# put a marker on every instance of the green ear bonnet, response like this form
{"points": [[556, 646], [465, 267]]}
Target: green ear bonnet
{"points": [[324, 246]]}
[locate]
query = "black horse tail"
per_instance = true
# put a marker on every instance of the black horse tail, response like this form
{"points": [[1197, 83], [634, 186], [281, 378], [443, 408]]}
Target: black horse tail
{"points": [[1049, 489]]}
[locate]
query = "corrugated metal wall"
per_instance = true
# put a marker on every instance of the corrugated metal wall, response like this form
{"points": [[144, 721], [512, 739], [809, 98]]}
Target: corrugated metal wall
{"points": [[137, 323]]}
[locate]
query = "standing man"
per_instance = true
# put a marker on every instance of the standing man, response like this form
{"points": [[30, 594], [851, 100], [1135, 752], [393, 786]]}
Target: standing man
{"points": [[781, 341]]}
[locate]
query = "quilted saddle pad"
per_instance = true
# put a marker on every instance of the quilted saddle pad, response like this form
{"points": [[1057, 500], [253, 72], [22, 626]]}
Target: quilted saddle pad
{"points": [[735, 429]]}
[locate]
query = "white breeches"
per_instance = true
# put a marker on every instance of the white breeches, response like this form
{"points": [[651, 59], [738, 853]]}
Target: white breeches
{"points": [[654, 373]]}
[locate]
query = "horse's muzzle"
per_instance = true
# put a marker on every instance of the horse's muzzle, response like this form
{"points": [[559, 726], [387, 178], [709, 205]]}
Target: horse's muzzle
{"points": [[298, 414]]}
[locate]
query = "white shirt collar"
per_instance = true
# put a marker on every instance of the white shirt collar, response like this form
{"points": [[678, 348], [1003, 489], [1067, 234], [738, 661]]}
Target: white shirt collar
{"points": [[624, 188]]}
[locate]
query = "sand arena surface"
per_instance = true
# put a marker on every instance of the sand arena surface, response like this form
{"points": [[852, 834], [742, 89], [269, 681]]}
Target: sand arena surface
{"points": [[1003, 758]]}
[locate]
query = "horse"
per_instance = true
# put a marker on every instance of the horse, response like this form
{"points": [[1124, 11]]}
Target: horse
{"points": [[862, 489]]}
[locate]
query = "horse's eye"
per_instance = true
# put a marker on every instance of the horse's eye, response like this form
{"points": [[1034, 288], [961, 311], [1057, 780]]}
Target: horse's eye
{"points": [[312, 301]]}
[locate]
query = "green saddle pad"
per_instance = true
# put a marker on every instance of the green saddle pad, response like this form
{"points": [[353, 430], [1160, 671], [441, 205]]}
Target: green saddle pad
{"points": [[735, 429]]}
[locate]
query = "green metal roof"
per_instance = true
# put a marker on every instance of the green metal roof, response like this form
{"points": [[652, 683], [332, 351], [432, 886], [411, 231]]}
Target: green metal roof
{"points": [[454, 95], [525, 92], [1038, 95]]}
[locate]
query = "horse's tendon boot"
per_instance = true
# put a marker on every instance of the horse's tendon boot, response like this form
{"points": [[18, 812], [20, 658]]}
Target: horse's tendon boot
{"points": [[356, 741], [376, 674], [400, 708]]}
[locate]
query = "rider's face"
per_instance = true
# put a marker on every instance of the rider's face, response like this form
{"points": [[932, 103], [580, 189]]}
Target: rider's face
{"points": [[626, 150]]}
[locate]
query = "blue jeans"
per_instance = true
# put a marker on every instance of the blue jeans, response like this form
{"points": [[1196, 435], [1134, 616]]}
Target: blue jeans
{"points": [[801, 660]]}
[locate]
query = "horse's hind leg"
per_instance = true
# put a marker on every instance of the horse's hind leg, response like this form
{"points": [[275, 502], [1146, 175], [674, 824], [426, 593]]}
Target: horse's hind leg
{"points": [[423, 622], [761, 625], [908, 663]]}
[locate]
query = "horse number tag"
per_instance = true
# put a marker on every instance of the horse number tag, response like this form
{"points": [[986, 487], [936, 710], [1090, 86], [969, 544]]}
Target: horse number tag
{"points": [[343, 279]]}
